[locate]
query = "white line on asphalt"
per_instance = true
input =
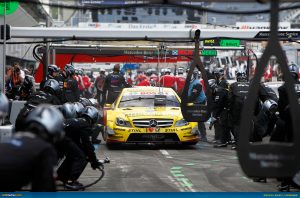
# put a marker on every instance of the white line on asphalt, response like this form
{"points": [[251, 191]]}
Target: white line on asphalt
{"points": [[165, 153]]}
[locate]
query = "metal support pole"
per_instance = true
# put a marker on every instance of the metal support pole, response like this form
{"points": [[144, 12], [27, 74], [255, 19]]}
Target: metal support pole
{"points": [[54, 56], [46, 54], [2, 69], [248, 64]]}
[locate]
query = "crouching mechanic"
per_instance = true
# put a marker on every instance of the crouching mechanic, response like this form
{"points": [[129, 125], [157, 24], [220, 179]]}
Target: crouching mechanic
{"points": [[29, 157], [48, 95], [79, 131]]}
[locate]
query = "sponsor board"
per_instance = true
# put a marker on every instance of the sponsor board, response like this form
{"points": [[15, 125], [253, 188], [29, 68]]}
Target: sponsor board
{"points": [[261, 25], [281, 34], [134, 114]]}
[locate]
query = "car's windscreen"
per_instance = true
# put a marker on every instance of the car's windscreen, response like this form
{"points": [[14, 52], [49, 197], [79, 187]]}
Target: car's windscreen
{"points": [[146, 101]]}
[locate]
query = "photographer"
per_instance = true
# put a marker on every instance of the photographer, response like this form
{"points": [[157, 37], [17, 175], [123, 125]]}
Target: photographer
{"points": [[13, 81]]}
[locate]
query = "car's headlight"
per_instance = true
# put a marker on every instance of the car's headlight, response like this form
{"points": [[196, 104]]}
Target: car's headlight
{"points": [[181, 122], [122, 122]]}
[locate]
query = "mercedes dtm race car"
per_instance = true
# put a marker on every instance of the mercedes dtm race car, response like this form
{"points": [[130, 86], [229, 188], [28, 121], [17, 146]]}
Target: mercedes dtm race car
{"points": [[147, 115]]}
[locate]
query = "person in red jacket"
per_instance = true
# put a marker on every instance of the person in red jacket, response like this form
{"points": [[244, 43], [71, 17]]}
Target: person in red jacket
{"points": [[179, 82], [167, 80], [268, 74], [144, 82], [78, 77], [87, 85], [140, 77]]}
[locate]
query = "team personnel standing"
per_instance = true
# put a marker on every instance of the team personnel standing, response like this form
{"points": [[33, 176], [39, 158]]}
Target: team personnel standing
{"points": [[284, 127], [237, 95], [140, 77], [220, 110], [29, 157], [71, 91], [167, 80], [179, 82], [113, 85], [154, 78], [78, 77], [27, 88], [197, 96], [53, 73], [129, 79], [144, 81], [99, 83]]}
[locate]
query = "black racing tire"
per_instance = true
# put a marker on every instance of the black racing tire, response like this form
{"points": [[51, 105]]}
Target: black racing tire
{"points": [[113, 145], [189, 143]]}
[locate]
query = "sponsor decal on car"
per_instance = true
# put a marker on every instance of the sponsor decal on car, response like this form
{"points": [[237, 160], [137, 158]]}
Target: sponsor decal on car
{"points": [[171, 130], [146, 93], [185, 129], [118, 129], [134, 131], [150, 130], [133, 114]]}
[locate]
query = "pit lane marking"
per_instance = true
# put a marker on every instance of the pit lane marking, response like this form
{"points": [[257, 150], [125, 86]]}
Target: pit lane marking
{"points": [[177, 184], [179, 178], [166, 154]]}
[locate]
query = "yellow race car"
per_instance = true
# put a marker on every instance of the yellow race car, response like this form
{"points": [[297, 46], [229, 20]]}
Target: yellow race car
{"points": [[147, 115]]}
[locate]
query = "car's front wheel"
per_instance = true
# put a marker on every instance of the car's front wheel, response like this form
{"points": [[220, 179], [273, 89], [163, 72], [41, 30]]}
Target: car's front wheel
{"points": [[189, 143]]}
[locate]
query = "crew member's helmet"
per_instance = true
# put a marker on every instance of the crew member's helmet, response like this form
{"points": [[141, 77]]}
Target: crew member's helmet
{"points": [[91, 113], [51, 86], [68, 110], [46, 122]]}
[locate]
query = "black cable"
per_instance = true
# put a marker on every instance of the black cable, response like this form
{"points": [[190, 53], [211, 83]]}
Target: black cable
{"points": [[91, 184], [34, 53], [169, 3]]}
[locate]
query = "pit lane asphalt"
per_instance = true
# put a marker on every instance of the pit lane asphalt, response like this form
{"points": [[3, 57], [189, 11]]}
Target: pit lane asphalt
{"points": [[150, 168]]}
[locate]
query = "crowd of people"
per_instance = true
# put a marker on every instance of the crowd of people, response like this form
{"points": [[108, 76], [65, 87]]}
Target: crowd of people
{"points": [[62, 119], [55, 126]]}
